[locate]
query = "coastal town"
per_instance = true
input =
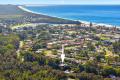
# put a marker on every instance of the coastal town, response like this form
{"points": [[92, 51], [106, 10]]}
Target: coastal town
{"points": [[92, 52]]}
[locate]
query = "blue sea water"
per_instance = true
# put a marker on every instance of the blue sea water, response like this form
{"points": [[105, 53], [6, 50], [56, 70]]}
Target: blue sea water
{"points": [[107, 14]]}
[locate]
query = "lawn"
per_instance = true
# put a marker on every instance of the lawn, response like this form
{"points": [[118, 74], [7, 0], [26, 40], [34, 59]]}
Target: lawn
{"points": [[22, 25]]}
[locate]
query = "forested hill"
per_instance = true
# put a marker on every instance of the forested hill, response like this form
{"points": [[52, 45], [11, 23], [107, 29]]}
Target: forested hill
{"points": [[12, 14], [10, 10]]}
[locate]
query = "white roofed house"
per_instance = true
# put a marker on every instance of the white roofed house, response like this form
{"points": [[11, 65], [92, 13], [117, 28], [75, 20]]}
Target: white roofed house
{"points": [[4, 30]]}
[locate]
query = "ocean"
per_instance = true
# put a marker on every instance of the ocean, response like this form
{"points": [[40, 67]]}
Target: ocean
{"points": [[102, 14]]}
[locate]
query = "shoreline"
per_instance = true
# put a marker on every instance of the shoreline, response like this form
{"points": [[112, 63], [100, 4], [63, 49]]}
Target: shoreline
{"points": [[81, 21]]}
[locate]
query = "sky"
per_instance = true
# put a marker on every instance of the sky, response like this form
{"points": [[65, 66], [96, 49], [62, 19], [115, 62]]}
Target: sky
{"points": [[60, 2]]}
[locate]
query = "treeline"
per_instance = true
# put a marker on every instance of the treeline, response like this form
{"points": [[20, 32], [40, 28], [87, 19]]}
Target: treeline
{"points": [[39, 67], [8, 43]]}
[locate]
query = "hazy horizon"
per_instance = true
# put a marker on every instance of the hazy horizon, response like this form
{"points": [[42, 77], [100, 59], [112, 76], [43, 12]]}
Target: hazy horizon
{"points": [[61, 2]]}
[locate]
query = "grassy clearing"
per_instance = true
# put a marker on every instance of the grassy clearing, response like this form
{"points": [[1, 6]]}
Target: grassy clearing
{"points": [[22, 25], [46, 52], [9, 16], [71, 47]]}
